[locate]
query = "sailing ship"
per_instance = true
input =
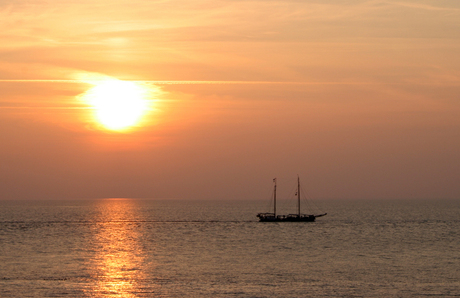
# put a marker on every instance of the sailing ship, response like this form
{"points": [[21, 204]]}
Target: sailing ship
{"points": [[273, 217]]}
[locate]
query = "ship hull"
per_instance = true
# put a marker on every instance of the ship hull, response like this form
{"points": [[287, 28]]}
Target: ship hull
{"points": [[286, 218]]}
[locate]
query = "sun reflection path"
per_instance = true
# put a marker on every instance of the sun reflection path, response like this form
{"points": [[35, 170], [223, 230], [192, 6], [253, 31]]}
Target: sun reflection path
{"points": [[119, 254]]}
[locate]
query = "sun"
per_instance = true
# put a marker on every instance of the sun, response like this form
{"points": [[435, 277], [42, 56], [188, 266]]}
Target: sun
{"points": [[118, 105]]}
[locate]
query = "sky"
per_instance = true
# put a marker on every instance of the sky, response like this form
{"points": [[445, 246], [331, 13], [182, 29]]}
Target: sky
{"points": [[361, 99]]}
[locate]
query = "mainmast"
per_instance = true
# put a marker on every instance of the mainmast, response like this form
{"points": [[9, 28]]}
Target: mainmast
{"points": [[274, 197], [298, 194]]}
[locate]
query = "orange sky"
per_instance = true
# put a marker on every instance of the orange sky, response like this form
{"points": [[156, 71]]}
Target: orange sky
{"points": [[360, 98]]}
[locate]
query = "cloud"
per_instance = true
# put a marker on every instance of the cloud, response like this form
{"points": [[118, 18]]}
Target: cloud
{"points": [[227, 40]]}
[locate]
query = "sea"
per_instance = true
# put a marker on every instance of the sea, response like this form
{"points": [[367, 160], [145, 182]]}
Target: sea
{"points": [[215, 248]]}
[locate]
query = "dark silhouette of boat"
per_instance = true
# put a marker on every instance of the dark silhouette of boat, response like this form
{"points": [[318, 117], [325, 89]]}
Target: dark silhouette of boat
{"points": [[299, 217]]}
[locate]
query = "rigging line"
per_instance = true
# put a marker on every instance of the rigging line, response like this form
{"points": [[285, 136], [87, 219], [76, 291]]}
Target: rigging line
{"points": [[292, 199], [289, 200], [309, 199], [312, 200], [270, 200]]}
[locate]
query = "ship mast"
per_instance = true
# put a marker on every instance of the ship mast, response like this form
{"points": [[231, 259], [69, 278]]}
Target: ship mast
{"points": [[274, 197], [298, 194]]}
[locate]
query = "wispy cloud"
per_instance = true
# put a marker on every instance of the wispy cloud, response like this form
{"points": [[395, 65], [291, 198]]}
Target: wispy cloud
{"points": [[223, 40], [155, 82], [435, 6]]}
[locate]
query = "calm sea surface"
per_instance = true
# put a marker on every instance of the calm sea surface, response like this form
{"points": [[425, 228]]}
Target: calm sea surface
{"points": [[160, 248]]}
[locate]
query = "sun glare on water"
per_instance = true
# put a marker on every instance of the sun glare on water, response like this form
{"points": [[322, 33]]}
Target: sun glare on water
{"points": [[118, 105]]}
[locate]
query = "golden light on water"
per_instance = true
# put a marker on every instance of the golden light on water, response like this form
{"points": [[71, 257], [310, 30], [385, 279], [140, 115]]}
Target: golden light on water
{"points": [[119, 261], [119, 105]]}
